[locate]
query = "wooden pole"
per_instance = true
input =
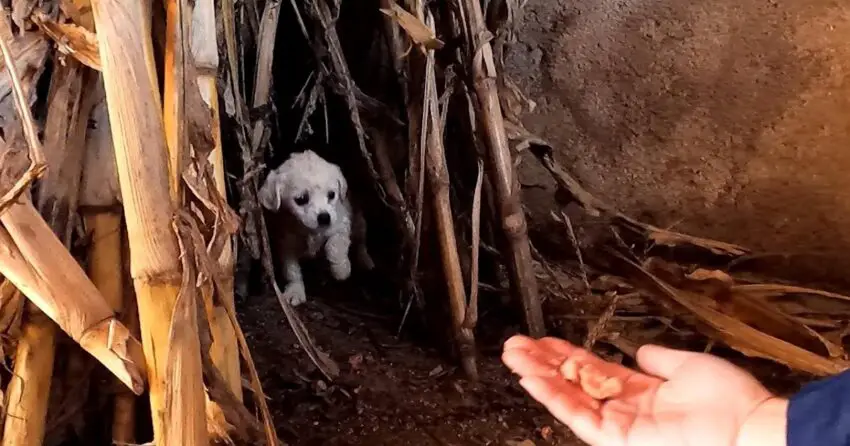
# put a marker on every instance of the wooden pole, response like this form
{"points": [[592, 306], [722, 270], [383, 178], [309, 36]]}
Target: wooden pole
{"points": [[138, 135]]}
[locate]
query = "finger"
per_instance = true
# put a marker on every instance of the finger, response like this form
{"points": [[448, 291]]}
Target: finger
{"points": [[662, 361], [520, 341], [522, 348], [568, 404], [530, 362]]}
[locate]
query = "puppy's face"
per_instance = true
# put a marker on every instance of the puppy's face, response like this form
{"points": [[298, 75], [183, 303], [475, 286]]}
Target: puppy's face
{"points": [[308, 188]]}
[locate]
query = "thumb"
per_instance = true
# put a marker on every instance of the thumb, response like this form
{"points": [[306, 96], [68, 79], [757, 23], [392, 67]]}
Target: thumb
{"points": [[662, 361]]}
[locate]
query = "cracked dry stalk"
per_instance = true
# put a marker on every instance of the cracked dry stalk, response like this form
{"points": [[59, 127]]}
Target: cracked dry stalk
{"points": [[63, 151], [105, 252], [501, 169], [224, 350], [174, 98], [439, 182], [40, 266], [100, 209], [263, 74], [135, 116]]}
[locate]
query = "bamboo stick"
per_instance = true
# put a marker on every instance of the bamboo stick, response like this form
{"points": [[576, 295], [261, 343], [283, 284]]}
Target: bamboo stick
{"points": [[501, 170], [439, 182], [140, 149]]}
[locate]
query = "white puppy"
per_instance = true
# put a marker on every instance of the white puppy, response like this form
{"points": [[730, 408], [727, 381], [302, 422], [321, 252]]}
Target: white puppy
{"points": [[311, 196]]}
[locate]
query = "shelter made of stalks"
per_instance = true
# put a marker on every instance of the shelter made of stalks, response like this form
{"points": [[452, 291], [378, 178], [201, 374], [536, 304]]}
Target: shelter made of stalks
{"points": [[135, 136]]}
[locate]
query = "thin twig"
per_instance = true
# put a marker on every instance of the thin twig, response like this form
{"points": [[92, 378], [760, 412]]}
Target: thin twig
{"points": [[549, 270], [574, 240]]}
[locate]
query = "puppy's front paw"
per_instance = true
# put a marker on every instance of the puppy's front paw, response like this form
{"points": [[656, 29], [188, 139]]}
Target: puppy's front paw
{"points": [[341, 270], [296, 294]]}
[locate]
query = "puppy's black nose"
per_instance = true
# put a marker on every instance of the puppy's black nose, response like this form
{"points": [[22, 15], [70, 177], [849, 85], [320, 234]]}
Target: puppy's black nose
{"points": [[324, 219]]}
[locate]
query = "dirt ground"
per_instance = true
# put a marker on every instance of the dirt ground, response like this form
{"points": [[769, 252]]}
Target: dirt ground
{"points": [[390, 392]]}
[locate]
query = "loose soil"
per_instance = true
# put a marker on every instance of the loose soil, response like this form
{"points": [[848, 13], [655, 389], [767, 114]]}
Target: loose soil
{"points": [[390, 392]]}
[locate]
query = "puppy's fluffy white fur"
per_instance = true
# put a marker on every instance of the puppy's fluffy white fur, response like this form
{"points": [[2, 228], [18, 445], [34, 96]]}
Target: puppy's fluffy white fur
{"points": [[310, 195]]}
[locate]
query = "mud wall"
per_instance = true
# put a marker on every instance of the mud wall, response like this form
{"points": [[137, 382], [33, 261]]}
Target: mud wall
{"points": [[724, 118]]}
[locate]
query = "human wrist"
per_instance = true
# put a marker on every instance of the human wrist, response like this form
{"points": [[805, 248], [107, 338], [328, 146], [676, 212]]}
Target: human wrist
{"points": [[766, 426]]}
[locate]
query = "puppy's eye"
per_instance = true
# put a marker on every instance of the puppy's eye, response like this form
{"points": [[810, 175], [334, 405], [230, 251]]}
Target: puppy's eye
{"points": [[302, 199], [331, 195]]}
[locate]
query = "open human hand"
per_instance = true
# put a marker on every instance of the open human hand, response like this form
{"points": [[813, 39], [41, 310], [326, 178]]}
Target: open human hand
{"points": [[679, 398]]}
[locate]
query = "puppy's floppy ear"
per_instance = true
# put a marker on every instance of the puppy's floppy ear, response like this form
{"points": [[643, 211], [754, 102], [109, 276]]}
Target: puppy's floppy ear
{"points": [[341, 183], [269, 193]]}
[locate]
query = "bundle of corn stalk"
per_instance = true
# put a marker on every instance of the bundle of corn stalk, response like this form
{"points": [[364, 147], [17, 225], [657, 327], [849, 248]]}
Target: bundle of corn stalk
{"points": [[116, 248]]}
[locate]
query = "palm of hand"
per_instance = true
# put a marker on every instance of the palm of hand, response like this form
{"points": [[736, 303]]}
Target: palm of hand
{"points": [[700, 399]]}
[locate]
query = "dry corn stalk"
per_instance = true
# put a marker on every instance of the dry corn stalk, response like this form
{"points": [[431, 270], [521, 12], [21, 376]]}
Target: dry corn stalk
{"points": [[124, 420], [24, 417], [439, 182], [501, 170], [40, 266], [105, 252], [135, 116], [174, 97], [26, 402], [63, 150], [11, 310], [70, 39], [224, 350], [263, 75], [20, 84]]}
